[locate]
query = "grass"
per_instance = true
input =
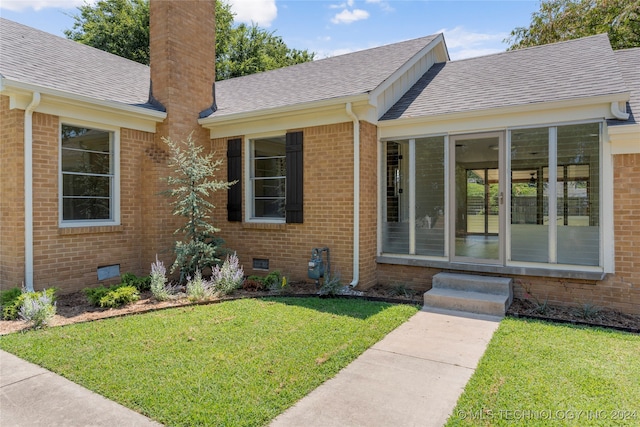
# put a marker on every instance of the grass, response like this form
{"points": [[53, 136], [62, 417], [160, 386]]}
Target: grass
{"points": [[543, 374], [238, 363]]}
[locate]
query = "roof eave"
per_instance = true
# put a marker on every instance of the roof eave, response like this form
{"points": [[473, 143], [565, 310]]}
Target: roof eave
{"points": [[13, 87], [209, 122], [522, 108]]}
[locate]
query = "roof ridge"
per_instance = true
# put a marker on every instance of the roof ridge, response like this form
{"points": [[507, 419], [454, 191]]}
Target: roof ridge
{"points": [[529, 48]]}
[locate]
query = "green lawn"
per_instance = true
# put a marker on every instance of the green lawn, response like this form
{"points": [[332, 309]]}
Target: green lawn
{"points": [[238, 363], [543, 374]]}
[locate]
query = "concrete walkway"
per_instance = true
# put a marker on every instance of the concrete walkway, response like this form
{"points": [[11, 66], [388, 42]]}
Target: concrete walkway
{"points": [[413, 377], [31, 396]]}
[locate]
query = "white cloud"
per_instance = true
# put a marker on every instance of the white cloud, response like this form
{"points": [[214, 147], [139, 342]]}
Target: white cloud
{"points": [[463, 43], [384, 5], [20, 5], [349, 16], [262, 12]]}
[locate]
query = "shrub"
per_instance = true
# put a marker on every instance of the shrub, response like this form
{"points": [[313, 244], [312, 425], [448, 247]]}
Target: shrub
{"points": [[38, 308], [199, 288], [9, 304], [229, 277], [142, 283], [253, 283], [12, 310], [120, 296], [331, 285], [158, 277], [112, 296]]}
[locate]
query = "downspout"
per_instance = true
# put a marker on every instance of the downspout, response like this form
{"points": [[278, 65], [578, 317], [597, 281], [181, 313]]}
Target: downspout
{"points": [[617, 110], [28, 191], [356, 196]]}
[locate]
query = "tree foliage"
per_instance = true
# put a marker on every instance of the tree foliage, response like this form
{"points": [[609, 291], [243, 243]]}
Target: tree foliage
{"points": [[560, 20], [191, 183], [121, 27]]}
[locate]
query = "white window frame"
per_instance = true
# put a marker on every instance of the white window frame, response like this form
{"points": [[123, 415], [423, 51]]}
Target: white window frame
{"points": [[115, 187], [248, 179], [606, 206]]}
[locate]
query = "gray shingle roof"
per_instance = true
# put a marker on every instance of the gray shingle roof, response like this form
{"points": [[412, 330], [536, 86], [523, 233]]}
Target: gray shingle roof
{"points": [[629, 62], [28, 55], [574, 69], [339, 76]]}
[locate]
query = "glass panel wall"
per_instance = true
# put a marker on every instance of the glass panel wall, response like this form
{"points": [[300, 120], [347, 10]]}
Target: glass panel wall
{"points": [[529, 195], [395, 231], [430, 179], [578, 194]]}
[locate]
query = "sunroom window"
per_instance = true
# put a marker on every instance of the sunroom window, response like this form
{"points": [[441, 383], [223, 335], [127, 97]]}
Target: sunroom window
{"points": [[87, 175]]}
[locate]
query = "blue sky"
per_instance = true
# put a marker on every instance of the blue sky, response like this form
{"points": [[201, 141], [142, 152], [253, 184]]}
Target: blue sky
{"points": [[329, 28]]}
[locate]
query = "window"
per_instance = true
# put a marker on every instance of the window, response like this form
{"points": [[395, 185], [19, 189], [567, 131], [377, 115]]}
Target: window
{"points": [[268, 177], [87, 178], [275, 179]]}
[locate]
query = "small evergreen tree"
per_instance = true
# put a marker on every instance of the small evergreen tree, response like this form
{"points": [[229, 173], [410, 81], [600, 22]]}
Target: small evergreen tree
{"points": [[191, 182]]}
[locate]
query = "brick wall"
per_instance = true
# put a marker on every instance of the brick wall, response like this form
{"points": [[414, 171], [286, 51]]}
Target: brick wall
{"points": [[11, 195], [328, 210], [368, 204], [68, 258]]}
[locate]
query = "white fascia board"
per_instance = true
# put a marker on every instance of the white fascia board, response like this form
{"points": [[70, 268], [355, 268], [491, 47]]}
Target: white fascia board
{"points": [[389, 81], [522, 115], [284, 118], [60, 103], [624, 139]]}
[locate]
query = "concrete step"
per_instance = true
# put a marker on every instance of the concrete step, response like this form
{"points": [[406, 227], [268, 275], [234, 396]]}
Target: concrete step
{"points": [[473, 283], [473, 302]]}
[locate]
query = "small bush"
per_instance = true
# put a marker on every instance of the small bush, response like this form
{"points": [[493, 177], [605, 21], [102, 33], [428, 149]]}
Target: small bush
{"points": [[142, 283], [38, 308], [111, 296], [229, 277], [253, 283], [199, 288], [402, 290], [331, 285], [120, 296], [12, 310], [9, 304], [158, 277]]}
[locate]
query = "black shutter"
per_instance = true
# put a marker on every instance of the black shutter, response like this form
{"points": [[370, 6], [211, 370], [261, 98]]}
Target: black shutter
{"points": [[294, 204], [234, 173]]}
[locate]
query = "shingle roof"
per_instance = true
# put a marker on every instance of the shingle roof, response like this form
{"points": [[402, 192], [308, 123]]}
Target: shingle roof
{"points": [[339, 76], [568, 70], [629, 62], [28, 55]]}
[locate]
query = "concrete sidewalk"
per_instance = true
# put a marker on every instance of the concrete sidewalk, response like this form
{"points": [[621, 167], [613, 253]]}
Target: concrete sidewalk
{"points": [[413, 377], [31, 396]]}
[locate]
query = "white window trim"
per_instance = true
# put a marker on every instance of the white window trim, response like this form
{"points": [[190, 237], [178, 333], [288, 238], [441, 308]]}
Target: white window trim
{"points": [[248, 172], [115, 189]]}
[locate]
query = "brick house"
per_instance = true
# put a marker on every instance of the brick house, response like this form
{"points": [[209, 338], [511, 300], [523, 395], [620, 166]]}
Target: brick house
{"points": [[521, 164]]}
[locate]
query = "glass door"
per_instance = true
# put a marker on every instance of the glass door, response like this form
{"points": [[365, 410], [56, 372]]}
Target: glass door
{"points": [[477, 198]]}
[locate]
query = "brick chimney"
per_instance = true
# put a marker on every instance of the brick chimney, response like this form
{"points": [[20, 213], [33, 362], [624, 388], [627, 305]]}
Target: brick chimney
{"points": [[182, 53], [182, 50]]}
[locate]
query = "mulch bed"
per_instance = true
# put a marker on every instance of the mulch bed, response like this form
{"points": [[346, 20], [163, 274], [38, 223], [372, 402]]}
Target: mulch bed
{"points": [[74, 308]]}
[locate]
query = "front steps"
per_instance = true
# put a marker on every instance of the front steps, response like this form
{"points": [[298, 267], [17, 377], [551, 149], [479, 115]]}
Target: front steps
{"points": [[470, 293]]}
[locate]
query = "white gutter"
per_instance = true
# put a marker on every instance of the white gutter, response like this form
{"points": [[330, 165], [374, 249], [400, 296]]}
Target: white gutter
{"points": [[618, 113], [28, 191], [356, 196]]}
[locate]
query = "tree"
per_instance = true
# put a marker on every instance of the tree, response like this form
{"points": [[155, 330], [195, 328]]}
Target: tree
{"points": [[559, 20], [121, 27], [190, 184]]}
